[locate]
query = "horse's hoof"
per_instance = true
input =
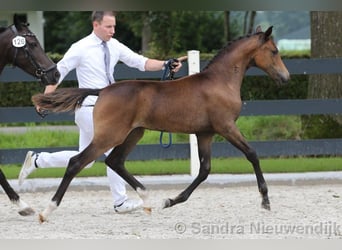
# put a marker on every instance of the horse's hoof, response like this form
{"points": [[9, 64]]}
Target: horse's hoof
{"points": [[26, 211], [147, 210], [166, 203], [266, 205], [42, 219]]}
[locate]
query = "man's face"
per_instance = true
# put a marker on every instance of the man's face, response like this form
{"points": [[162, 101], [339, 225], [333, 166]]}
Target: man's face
{"points": [[106, 28]]}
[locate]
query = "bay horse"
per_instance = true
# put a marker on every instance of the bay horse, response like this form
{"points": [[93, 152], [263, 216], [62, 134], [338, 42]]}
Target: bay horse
{"points": [[204, 104], [20, 47]]}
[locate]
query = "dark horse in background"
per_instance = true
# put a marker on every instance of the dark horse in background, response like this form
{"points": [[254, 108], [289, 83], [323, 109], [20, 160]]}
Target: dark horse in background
{"points": [[20, 47], [204, 104]]}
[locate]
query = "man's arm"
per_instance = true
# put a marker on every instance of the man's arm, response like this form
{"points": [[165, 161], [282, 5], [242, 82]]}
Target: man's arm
{"points": [[155, 65], [50, 88]]}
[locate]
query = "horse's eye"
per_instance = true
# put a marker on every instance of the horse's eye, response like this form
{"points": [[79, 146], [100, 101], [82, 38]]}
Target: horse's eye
{"points": [[275, 52]]}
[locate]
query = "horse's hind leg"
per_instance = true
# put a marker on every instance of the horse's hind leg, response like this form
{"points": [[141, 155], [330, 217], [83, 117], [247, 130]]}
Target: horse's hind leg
{"points": [[116, 161], [234, 136], [75, 165], [204, 152], [24, 209]]}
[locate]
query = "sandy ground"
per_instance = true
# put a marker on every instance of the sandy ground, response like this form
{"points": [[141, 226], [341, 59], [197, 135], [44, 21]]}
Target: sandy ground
{"points": [[217, 211]]}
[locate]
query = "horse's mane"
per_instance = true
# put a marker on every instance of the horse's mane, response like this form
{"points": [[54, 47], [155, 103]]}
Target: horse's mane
{"points": [[2, 29], [229, 46]]}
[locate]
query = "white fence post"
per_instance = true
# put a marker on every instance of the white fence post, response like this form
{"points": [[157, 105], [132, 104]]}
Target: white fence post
{"points": [[194, 67]]}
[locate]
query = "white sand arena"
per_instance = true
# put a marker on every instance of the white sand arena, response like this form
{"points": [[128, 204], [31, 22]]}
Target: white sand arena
{"points": [[213, 211]]}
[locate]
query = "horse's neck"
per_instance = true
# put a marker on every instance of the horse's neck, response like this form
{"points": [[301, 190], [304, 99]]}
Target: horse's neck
{"points": [[232, 65], [2, 66], [3, 57], [4, 48]]}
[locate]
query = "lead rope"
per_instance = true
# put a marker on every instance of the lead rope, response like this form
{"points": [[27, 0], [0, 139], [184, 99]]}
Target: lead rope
{"points": [[167, 75]]}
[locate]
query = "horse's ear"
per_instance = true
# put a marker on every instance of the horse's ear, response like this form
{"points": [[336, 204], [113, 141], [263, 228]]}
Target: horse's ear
{"points": [[268, 32], [258, 29], [16, 21]]}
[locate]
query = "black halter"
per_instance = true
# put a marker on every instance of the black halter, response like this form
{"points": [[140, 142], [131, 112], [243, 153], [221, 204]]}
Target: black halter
{"points": [[40, 71]]}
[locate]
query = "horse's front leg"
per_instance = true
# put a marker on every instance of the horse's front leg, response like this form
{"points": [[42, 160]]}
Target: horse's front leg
{"points": [[204, 152], [235, 137], [75, 165], [24, 209]]}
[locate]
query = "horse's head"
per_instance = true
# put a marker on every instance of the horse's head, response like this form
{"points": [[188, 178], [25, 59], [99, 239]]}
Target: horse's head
{"points": [[29, 55], [268, 59]]}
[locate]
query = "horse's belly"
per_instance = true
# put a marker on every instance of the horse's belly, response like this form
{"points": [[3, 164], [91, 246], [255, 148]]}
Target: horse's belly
{"points": [[178, 124]]}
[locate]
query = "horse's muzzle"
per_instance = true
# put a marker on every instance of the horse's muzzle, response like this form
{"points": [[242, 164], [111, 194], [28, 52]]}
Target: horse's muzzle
{"points": [[50, 77], [282, 77]]}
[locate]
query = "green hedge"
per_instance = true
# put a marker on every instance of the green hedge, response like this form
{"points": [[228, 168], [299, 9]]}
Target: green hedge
{"points": [[320, 126], [264, 88], [18, 94]]}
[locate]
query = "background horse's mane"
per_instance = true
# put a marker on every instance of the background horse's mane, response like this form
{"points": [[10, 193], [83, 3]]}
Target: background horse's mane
{"points": [[20, 25], [229, 46]]}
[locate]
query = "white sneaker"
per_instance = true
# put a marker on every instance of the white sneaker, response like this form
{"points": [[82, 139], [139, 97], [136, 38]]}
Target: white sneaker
{"points": [[128, 206], [28, 166]]}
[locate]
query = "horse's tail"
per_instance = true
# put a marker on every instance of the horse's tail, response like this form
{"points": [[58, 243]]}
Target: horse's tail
{"points": [[63, 99]]}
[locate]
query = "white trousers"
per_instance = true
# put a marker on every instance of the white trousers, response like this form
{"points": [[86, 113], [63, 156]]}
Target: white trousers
{"points": [[84, 121]]}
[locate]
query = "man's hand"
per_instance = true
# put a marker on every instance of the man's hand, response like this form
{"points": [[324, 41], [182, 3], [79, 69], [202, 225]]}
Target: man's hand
{"points": [[41, 112], [176, 63]]}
